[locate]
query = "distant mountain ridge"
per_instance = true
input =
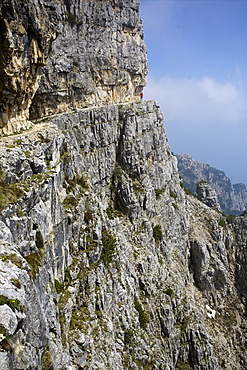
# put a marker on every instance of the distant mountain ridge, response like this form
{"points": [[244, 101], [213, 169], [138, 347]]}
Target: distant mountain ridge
{"points": [[232, 197]]}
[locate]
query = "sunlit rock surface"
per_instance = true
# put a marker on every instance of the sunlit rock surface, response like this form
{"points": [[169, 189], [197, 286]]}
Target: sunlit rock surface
{"points": [[105, 261]]}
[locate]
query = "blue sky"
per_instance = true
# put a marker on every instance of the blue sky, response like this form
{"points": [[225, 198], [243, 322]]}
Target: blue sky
{"points": [[197, 53]]}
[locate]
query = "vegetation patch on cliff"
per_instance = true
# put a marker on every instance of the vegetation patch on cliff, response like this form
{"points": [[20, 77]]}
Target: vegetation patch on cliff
{"points": [[47, 360], [159, 192], [157, 233], [9, 193], [109, 247], [143, 316], [14, 304]]}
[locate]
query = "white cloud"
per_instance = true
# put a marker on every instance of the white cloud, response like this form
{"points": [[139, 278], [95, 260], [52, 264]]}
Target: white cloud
{"points": [[199, 100], [205, 118], [219, 93]]}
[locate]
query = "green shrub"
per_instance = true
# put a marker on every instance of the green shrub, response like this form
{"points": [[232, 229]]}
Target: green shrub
{"points": [[39, 240], [172, 194], [128, 336], [70, 201], [137, 187], [143, 317], [71, 18], [183, 325], [19, 211], [18, 142], [63, 299], [157, 233], [169, 291], [98, 314], [222, 222], [71, 184], [79, 317], [91, 244], [82, 181], [3, 330], [230, 218], [109, 247], [181, 365], [58, 286], [113, 213], [16, 283], [159, 192], [110, 213], [6, 344], [27, 153], [88, 214]]}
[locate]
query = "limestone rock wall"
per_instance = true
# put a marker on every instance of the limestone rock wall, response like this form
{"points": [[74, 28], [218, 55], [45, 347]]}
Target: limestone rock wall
{"points": [[93, 53], [105, 263], [99, 57]]}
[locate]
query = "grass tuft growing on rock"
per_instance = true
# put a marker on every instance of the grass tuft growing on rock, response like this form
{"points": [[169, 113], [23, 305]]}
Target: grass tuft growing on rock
{"points": [[14, 304], [47, 360], [34, 261], [9, 193], [79, 317], [172, 194], [159, 192], [16, 260], [143, 317]]}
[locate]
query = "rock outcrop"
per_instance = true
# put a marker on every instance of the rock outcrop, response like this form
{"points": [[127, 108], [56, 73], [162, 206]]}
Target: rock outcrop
{"points": [[207, 195], [232, 197], [105, 261]]}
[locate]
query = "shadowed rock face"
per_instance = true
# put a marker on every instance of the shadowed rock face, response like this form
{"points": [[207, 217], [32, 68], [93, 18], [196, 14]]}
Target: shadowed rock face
{"points": [[27, 31]]}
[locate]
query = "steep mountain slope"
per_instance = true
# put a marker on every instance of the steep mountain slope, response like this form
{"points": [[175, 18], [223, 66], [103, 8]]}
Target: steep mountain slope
{"points": [[232, 197], [105, 262]]}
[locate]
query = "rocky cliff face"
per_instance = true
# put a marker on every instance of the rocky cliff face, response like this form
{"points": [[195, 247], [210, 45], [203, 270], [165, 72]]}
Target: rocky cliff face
{"points": [[232, 197], [74, 53], [105, 262], [99, 57]]}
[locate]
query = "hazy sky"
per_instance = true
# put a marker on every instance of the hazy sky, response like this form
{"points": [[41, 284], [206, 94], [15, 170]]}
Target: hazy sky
{"points": [[197, 52]]}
